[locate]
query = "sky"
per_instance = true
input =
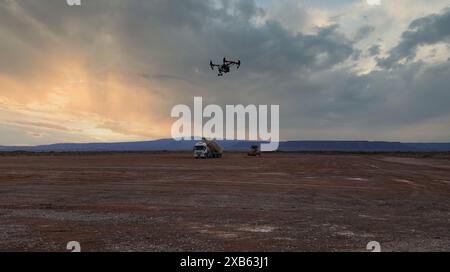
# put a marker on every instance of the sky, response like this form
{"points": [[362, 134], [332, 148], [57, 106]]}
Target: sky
{"points": [[111, 70]]}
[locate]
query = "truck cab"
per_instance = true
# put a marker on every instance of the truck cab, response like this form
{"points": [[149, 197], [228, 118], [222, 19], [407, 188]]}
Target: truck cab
{"points": [[201, 150]]}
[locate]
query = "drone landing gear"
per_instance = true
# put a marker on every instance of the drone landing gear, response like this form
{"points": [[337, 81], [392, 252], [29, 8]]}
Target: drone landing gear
{"points": [[219, 74]]}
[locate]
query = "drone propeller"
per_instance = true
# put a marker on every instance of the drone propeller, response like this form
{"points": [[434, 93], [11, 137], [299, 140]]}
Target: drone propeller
{"points": [[238, 64], [211, 64]]}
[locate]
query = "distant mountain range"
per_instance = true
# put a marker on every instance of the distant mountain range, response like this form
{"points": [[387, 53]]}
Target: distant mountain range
{"points": [[172, 145]]}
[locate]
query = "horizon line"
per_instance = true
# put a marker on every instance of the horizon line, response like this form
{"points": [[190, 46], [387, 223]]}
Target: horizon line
{"points": [[192, 139]]}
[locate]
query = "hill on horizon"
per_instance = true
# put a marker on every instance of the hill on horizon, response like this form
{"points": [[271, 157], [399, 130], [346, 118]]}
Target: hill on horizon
{"points": [[237, 145]]}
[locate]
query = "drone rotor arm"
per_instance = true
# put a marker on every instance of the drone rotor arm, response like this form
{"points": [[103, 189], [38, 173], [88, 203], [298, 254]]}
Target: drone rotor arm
{"points": [[212, 65]]}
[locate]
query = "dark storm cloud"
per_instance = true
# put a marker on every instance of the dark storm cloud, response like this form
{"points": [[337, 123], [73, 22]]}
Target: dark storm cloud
{"points": [[271, 48], [427, 30], [379, 105], [175, 33]]}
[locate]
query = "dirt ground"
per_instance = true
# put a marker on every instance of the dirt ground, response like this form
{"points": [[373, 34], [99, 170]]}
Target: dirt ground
{"points": [[172, 202]]}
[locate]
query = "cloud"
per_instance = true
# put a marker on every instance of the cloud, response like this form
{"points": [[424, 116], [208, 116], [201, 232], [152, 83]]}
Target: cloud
{"points": [[363, 32], [427, 30], [374, 2], [112, 70], [374, 50], [35, 134], [39, 125]]}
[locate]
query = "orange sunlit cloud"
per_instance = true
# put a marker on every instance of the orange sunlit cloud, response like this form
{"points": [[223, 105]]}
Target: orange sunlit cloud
{"points": [[67, 98]]}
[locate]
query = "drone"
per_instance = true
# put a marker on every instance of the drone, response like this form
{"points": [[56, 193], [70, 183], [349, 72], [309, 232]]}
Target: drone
{"points": [[225, 67]]}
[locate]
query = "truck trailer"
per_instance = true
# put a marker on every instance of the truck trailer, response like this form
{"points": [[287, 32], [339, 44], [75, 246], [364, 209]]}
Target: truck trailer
{"points": [[206, 149]]}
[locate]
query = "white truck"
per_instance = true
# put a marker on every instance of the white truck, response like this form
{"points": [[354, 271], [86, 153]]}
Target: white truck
{"points": [[207, 149]]}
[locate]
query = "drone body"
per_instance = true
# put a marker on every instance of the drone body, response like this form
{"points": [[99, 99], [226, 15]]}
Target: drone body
{"points": [[225, 67]]}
